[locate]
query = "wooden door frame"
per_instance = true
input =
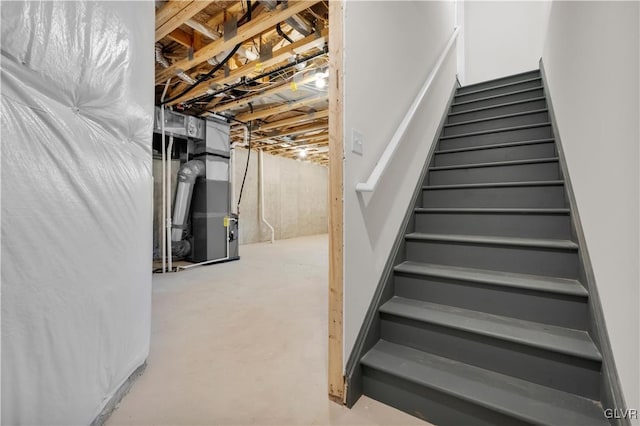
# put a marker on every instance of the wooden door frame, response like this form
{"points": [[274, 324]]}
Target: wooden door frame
{"points": [[337, 391]]}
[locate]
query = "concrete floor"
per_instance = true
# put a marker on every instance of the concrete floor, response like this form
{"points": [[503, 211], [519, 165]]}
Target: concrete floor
{"points": [[245, 343]]}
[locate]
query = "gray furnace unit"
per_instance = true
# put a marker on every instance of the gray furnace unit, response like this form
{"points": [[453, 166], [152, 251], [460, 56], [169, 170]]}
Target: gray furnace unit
{"points": [[203, 227]]}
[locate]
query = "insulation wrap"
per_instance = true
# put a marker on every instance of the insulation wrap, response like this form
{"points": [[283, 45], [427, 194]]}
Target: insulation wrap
{"points": [[77, 108]]}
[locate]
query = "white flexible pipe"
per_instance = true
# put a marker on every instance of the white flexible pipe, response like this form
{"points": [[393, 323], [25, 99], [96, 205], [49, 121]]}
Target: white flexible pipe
{"points": [[261, 167], [164, 181], [168, 205]]}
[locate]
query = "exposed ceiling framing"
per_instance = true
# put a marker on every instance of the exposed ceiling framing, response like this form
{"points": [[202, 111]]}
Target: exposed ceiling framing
{"points": [[273, 80]]}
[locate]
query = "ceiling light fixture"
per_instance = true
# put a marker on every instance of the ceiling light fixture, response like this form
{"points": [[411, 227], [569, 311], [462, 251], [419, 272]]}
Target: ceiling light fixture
{"points": [[302, 153]]}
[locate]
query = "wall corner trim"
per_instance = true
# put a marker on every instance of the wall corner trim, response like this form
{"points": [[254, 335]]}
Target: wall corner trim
{"points": [[366, 335], [611, 394]]}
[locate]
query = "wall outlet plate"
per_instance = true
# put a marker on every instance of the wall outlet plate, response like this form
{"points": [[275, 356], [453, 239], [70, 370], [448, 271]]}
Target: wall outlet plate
{"points": [[357, 142]]}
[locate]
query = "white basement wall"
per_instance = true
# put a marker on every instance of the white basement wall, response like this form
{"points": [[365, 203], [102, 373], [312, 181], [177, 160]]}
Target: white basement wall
{"points": [[295, 197], [389, 50], [591, 60], [77, 105], [503, 37]]}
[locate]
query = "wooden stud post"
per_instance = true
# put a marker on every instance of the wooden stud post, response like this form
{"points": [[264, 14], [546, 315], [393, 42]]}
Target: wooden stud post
{"points": [[336, 234]]}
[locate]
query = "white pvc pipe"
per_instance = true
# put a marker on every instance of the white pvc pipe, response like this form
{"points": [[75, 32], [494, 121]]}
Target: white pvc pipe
{"points": [[164, 182], [261, 167], [383, 162], [168, 205]]}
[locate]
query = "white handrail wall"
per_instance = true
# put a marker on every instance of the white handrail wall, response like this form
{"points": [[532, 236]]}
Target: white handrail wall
{"points": [[390, 150]]}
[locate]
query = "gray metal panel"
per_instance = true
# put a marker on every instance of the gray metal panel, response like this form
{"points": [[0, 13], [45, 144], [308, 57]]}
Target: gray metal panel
{"points": [[217, 139], [209, 208]]}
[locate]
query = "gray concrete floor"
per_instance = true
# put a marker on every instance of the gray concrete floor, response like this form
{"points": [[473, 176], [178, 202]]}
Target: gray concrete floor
{"points": [[245, 343]]}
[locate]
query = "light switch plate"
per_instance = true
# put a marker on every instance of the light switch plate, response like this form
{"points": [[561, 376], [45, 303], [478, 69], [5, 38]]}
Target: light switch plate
{"points": [[357, 142]]}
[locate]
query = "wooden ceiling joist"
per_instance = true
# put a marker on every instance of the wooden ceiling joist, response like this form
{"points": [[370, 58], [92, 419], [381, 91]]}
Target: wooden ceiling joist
{"points": [[218, 19], [278, 56], [181, 37], [182, 11], [295, 130], [257, 25], [280, 150], [290, 106], [294, 120]]}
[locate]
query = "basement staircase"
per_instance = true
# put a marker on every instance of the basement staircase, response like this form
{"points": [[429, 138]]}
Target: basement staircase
{"points": [[485, 322]]}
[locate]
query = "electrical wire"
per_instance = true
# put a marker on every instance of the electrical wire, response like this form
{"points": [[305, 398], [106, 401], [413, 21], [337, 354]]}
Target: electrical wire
{"points": [[263, 75], [207, 76], [282, 34], [246, 168]]}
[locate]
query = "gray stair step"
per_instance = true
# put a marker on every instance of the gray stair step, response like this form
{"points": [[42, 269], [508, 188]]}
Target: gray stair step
{"points": [[562, 358], [540, 169], [497, 122], [508, 396], [494, 136], [520, 281], [544, 194], [527, 75], [567, 341], [524, 150], [498, 90], [517, 95], [547, 257], [495, 110], [532, 223], [547, 300], [494, 240]]}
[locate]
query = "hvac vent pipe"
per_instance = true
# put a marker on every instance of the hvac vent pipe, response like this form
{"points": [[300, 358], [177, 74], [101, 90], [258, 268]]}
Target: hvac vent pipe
{"points": [[261, 168], [164, 180], [187, 175], [168, 205]]}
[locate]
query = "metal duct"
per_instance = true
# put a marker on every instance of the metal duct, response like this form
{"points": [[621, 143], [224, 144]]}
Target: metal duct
{"points": [[160, 58], [187, 175], [296, 22]]}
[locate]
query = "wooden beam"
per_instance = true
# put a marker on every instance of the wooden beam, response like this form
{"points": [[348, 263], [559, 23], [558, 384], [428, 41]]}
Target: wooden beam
{"points": [[169, 9], [336, 230], [293, 120], [324, 142], [219, 18], [257, 25], [197, 40], [289, 106], [180, 36], [309, 138], [278, 56], [267, 92], [187, 12], [295, 131]]}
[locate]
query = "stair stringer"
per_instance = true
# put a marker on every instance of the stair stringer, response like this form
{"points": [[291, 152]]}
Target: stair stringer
{"points": [[369, 332], [611, 395]]}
